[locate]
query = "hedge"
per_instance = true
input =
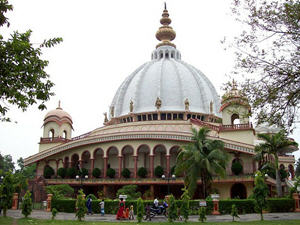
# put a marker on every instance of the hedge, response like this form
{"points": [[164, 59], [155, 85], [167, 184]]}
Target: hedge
{"points": [[243, 205]]}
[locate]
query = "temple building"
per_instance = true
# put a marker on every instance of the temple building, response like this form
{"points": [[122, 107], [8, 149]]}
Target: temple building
{"points": [[151, 116]]}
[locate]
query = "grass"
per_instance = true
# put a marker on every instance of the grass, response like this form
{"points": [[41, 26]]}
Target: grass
{"points": [[30, 221]]}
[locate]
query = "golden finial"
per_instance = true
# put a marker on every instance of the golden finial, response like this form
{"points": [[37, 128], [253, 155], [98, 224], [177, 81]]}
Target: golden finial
{"points": [[58, 107], [165, 33]]}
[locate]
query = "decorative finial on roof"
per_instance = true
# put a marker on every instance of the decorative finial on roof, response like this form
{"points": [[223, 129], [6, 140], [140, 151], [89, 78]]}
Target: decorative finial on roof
{"points": [[59, 105], [165, 33], [234, 85]]}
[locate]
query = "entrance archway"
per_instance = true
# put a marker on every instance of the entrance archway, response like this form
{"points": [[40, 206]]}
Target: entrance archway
{"points": [[239, 191]]}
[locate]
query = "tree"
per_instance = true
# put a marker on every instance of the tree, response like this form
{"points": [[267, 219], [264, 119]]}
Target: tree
{"points": [[27, 204], [185, 204], [297, 172], [6, 192], [140, 209], [172, 210], [200, 159], [62, 172], [158, 171], [202, 214], [275, 144], [260, 193], [234, 212], [268, 47], [126, 173], [96, 172], [130, 191], [142, 172], [27, 171], [23, 80], [54, 213], [80, 206], [60, 191], [6, 162]]}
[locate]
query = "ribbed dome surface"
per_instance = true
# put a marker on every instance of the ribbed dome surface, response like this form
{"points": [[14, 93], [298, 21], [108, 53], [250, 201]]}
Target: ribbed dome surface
{"points": [[59, 114], [170, 79]]}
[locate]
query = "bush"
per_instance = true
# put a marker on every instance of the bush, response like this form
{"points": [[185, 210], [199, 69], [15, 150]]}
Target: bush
{"points": [[234, 212], [93, 197], [64, 205], [60, 191], [83, 172], [48, 172], [62, 172], [280, 205], [140, 210], [243, 206], [130, 191], [202, 214], [173, 169], [71, 172], [126, 173], [80, 206], [237, 168], [159, 171], [27, 204], [172, 209], [54, 212], [110, 173], [142, 172], [96, 172]]}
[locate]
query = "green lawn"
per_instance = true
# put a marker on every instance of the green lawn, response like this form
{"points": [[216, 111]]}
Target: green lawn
{"points": [[29, 221]]}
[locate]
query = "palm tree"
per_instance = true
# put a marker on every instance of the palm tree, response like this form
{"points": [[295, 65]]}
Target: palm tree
{"points": [[275, 144], [201, 159]]}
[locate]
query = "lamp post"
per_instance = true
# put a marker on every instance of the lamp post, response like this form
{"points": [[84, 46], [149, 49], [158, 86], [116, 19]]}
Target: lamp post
{"points": [[173, 177], [81, 178]]}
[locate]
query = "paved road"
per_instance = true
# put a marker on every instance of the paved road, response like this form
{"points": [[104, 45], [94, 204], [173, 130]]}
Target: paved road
{"points": [[39, 214]]}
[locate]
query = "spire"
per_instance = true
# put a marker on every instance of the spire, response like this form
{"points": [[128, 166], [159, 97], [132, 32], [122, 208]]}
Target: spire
{"points": [[58, 107], [165, 33]]}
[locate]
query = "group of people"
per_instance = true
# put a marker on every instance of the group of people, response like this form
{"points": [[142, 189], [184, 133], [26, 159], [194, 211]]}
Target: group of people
{"points": [[89, 206], [123, 212]]}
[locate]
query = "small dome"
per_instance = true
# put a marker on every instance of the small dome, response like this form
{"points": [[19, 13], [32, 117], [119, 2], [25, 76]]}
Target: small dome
{"points": [[58, 115]]}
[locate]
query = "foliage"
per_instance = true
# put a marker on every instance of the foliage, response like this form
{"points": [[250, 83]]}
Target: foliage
{"points": [[6, 161], [27, 204], [126, 173], [275, 144], [268, 49], [6, 192], [201, 158], [20, 182], [54, 213], [173, 169], [234, 212], [236, 168], [159, 171], [80, 206], [140, 210], [280, 205], [71, 172], [260, 193], [62, 172], [27, 171], [184, 209], [48, 172], [243, 206], [23, 80], [96, 172], [60, 191], [83, 172], [172, 209], [130, 191], [110, 173], [283, 174], [294, 189], [92, 196], [202, 214], [142, 172], [148, 194]]}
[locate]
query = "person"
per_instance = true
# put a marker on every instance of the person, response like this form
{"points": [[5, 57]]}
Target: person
{"points": [[89, 205], [155, 203], [148, 212], [126, 214], [120, 213], [102, 207], [131, 213]]}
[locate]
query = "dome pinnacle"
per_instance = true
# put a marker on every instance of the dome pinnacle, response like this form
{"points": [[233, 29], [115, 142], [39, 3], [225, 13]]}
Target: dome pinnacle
{"points": [[165, 33]]}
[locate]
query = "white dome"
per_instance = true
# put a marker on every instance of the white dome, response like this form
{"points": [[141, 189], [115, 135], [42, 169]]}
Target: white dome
{"points": [[170, 79]]}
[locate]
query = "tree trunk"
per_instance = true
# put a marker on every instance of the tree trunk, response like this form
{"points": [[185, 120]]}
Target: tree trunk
{"points": [[278, 183], [261, 215]]}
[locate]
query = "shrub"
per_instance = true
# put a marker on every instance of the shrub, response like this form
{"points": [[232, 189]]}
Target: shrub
{"points": [[159, 171], [71, 172], [83, 172], [48, 172], [96, 172], [140, 209], [237, 168], [62, 172], [60, 191], [202, 214], [92, 196], [54, 212], [110, 173], [234, 212], [80, 206], [173, 169], [64, 205], [243, 206], [27, 204], [130, 191], [280, 205], [172, 209], [142, 172], [126, 173], [184, 209]]}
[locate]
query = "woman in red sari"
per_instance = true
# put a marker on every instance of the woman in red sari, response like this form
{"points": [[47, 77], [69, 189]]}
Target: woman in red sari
{"points": [[120, 213]]}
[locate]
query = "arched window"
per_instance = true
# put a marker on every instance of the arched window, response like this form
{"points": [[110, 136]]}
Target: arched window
{"points": [[167, 55], [235, 119], [51, 133], [65, 134], [238, 191]]}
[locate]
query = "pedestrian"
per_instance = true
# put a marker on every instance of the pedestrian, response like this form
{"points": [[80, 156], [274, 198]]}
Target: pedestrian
{"points": [[89, 205], [102, 207], [120, 213], [148, 212], [131, 213]]}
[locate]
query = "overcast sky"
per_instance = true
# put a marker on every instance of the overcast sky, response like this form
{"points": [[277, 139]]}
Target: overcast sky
{"points": [[104, 42]]}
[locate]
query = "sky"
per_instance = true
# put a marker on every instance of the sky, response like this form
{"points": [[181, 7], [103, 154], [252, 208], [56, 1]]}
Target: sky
{"points": [[104, 42]]}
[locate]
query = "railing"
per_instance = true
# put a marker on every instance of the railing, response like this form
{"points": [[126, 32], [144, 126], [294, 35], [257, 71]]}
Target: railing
{"points": [[202, 123], [54, 139], [243, 126], [80, 136]]}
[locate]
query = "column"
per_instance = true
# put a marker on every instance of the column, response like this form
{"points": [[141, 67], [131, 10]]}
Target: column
{"points": [[151, 165], [57, 162], [296, 198], [254, 165], [152, 190], [49, 199], [135, 158], [37, 169], [105, 160], [120, 166], [215, 207], [168, 165], [105, 190], [92, 167]]}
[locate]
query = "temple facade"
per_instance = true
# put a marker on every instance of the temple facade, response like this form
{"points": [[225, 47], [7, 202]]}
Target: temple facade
{"points": [[150, 118]]}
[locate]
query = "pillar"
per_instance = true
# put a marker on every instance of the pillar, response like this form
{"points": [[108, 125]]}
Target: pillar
{"points": [[92, 167], [57, 162], [135, 158], [296, 198], [105, 160], [105, 190], [15, 201], [120, 166], [215, 207], [81, 163], [168, 165], [151, 165], [37, 169], [70, 164], [49, 199], [152, 190], [254, 166]]}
